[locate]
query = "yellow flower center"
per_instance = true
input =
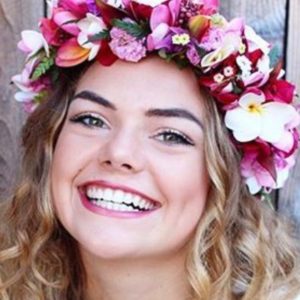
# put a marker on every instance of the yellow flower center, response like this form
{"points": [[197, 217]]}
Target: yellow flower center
{"points": [[242, 48], [255, 108]]}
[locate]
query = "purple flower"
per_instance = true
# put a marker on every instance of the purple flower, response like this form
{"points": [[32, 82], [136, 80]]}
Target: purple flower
{"points": [[193, 55], [126, 46], [92, 7]]}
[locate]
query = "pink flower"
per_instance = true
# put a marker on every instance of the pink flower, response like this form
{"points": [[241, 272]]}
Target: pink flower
{"points": [[126, 46], [193, 55], [78, 7], [162, 18], [258, 177], [66, 20], [29, 89]]}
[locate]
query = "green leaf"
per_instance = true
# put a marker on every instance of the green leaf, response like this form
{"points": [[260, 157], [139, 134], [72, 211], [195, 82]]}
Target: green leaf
{"points": [[43, 67], [274, 55], [137, 30], [103, 35]]}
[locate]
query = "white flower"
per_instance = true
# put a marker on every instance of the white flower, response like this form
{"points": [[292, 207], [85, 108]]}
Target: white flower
{"points": [[254, 118], [218, 78], [32, 42], [255, 41], [151, 3], [228, 71], [27, 93], [115, 3], [231, 43], [90, 26], [181, 39], [245, 66]]}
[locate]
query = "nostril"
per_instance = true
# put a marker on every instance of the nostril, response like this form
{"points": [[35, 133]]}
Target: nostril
{"points": [[127, 166]]}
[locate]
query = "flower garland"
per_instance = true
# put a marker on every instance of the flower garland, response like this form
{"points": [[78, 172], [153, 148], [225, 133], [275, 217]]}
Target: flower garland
{"points": [[231, 61]]}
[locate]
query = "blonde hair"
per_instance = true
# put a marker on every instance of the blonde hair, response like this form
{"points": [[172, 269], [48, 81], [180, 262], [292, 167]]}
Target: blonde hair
{"points": [[234, 254]]}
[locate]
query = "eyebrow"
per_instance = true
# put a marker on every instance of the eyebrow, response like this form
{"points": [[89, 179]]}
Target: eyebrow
{"points": [[88, 95], [157, 112]]}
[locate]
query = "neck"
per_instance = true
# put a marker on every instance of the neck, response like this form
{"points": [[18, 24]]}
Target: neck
{"points": [[135, 279]]}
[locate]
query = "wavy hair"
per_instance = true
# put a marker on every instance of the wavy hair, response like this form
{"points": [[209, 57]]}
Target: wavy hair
{"points": [[234, 254]]}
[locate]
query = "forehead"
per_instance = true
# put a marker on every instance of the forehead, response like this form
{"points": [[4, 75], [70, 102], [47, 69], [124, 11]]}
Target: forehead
{"points": [[150, 83]]}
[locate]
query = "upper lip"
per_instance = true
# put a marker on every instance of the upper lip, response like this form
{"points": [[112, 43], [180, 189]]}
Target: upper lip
{"points": [[106, 184]]}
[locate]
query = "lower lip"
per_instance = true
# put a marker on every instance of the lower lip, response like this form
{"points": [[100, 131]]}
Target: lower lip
{"points": [[111, 213]]}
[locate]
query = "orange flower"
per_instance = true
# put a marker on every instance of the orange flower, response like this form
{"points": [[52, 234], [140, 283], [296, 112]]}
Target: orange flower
{"points": [[71, 54]]}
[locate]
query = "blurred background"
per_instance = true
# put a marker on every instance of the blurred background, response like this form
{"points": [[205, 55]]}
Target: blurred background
{"points": [[278, 21]]}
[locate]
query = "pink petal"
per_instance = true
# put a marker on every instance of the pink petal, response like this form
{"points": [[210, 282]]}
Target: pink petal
{"points": [[174, 6], [212, 3], [22, 46], [66, 20], [77, 7], [160, 14]]}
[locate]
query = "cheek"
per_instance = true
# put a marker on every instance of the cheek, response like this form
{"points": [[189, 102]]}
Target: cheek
{"points": [[184, 185], [68, 159]]}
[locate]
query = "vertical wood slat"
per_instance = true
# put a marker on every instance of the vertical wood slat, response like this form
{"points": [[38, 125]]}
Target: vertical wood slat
{"points": [[289, 200], [15, 16]]}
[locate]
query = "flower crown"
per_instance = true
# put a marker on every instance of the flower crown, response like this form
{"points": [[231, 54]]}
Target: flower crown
{"points": [[230, 60]]}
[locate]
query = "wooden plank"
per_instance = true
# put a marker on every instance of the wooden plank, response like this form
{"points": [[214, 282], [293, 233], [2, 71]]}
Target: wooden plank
{"points": [[15, 16], [290, 195], [267, 17]]}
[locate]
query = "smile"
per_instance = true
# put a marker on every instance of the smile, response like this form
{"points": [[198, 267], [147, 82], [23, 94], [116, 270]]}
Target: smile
{"points": [[114, 200], [117, 200]]}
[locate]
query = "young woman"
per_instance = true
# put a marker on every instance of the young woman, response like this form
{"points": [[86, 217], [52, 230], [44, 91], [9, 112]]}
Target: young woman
{"points": [[136, 183]]}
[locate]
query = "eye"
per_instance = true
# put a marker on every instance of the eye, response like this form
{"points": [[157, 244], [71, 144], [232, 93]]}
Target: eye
{"points": [[89, 120], [174, 137]]}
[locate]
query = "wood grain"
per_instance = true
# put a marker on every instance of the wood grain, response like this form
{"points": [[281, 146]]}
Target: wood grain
{"points": [[15, 16], [290, 194]]}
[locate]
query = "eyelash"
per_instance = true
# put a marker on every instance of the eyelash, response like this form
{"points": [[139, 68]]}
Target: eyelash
{"points": [[180, 138], [85, 120]]}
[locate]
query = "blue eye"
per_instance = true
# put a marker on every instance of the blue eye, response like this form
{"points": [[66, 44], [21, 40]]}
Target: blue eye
{"points": [[173, 137], [89, 121]]}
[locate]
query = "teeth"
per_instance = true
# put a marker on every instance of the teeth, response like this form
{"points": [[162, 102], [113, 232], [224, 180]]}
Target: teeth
{"points": [[108, 194], [117, 200], [118, 196]]}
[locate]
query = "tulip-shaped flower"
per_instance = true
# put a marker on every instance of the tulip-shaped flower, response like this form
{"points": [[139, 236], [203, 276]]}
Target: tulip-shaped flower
{"points": [[254, 118]]}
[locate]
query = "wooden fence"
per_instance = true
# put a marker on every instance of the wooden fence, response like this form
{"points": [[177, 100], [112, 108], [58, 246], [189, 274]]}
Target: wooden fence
{"points": [[277, 20]]}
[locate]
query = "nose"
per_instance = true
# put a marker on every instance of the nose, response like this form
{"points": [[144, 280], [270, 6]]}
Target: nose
{"points": [[122, 152]]}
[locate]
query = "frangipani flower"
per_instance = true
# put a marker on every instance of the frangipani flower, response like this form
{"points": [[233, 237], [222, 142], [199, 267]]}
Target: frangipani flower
{"points": [[89, 27], [255, 41], [32, 42], [254, 118]]}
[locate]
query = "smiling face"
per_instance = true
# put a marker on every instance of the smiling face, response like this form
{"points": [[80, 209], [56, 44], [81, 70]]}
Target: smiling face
{"points": [[128, 177]]}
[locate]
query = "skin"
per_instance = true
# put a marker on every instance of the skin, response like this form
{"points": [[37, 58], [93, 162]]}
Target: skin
{"points": [[144, 255]]}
